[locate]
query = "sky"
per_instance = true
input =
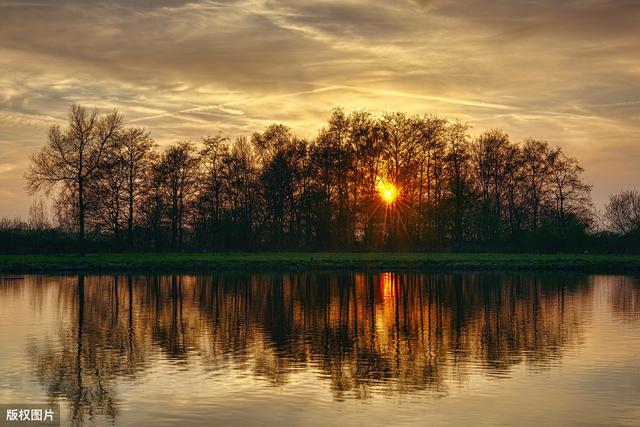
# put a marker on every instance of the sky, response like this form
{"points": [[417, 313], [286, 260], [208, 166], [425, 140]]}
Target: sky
{"points": [[564, 71]]}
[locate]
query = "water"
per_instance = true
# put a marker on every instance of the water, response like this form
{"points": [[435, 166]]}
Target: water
{"points": [[324, 349]]}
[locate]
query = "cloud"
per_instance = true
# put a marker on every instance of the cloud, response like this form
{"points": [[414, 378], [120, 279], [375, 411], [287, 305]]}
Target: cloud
{"points": [[564, 71]]}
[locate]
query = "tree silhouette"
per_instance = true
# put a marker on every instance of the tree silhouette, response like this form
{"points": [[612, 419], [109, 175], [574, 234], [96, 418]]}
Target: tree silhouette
{"points": [[277, 191], [73, 155]]}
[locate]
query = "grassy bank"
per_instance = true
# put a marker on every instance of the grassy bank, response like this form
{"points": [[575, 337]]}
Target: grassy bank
{"points": [[296, 261]]}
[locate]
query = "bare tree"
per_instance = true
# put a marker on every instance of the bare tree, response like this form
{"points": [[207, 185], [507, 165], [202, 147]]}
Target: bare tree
{"points": [[73, 155], [241, 188], [366, 139], [136, 146], [331, 159], [535, 166], [38, 216], [401, 161], [571, 194], [212, 155], [210, 192], [490, 154], [179, 166], [105, 193], [459, 179], [153, 200], [623, 212], [514, 189], [432, 139], [281, 175]]}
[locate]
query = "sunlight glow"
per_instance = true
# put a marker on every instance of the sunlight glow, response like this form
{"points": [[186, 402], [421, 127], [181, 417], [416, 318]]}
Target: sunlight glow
{"points": [[388, 191], [386, 285]]}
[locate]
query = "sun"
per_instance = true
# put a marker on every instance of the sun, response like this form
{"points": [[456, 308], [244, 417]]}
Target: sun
{"points": [[387, 191]]}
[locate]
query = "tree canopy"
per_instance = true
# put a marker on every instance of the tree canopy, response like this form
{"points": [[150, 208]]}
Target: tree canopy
{"points": [[275, 190]]}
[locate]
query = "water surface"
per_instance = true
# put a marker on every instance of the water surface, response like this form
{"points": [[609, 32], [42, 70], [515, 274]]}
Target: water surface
{"points": [[324, 349]]}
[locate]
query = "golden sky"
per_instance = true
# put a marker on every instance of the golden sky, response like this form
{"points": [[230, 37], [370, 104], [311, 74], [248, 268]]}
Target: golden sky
{"points": [[564, 71]]}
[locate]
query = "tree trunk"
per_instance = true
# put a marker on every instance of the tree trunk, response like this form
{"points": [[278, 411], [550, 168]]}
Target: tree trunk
{"points": [[81, 213], [130, 219]]}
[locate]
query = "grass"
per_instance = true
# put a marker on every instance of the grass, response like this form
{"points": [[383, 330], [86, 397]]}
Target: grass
{"points": [[297, 261]]}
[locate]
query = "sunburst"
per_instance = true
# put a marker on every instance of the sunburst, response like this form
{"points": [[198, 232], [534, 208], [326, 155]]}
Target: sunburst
{"points": [[388, 191]]}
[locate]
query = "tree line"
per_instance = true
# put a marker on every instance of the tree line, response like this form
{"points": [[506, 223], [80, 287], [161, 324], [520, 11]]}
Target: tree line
{"points": [[111, 183]]}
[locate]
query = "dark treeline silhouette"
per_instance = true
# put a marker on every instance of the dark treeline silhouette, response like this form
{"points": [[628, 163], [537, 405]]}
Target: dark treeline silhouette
{"points": [[395, 182]]}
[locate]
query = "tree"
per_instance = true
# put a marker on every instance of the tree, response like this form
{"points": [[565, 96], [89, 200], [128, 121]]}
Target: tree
{"points": [[72, 156], [366, 141], [282, 158], [330, 161], [535, 164], [514, 188], [211, 197], [179, 167], [38, 216], [572, 196], [490, 156], [106, 192], [401, 160], [136, 147], [432, 141], [622, 213], [457, 167], [241, 189], [337, 159], [153, 200]]}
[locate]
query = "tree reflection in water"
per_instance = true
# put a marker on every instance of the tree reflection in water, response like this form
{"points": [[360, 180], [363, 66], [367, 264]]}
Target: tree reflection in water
{"points": [[363, 333]]}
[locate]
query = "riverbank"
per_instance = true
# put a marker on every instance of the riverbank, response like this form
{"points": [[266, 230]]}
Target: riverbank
{"points": [[316, 261]]}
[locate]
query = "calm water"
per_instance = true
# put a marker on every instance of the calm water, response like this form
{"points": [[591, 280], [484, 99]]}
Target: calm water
{"points": [[321, 349]]}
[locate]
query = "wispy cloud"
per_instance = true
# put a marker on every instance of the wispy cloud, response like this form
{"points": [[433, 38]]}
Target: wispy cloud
{"points": [[564, 71]]}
